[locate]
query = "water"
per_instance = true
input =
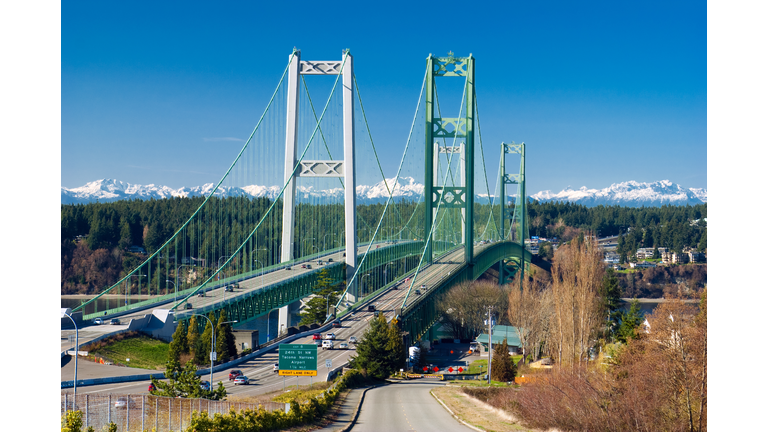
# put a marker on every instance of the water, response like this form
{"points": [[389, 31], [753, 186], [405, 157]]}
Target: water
{"points": [[101, 304]]}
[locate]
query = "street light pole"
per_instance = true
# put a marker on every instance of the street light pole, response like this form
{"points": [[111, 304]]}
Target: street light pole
{"points": [[490, 344], [326, 235], [174, 289], [213, 343], [261, 266], [77, 347]]}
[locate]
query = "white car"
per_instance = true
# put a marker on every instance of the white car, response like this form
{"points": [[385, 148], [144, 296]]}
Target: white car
{"points": [[124, 402], [327, 344], [98, 321], [330, 336], [352, 339], [343, 345]]}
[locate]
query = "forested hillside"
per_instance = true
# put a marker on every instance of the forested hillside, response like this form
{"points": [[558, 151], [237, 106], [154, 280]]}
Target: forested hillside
{"points": [[95, 237]]}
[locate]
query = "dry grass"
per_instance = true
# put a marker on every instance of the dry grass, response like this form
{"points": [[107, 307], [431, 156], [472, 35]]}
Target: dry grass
{"points": [[477, 413]]}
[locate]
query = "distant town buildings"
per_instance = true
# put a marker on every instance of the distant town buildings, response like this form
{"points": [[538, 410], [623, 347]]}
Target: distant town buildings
{"points": [[645, 253]]}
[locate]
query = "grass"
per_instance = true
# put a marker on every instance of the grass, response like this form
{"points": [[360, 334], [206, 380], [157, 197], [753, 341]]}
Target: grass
{"points": [[476, 367], [143, 352], [479, 383], [481, 366], [303, 394]]}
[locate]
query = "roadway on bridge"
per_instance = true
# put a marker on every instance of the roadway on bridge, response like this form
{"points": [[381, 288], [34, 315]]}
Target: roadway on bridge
{"points": [[253, 283], [260, 370]]}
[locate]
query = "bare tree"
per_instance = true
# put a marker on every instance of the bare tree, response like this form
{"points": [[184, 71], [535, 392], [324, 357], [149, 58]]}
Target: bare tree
{"points": [[577, 274], [463, 306], [528, 311]]}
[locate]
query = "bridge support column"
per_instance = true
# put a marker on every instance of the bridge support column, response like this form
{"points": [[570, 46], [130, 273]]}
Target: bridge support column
{"points": [[350, 185], [287, 316], [444, 128], [322, 168], [291, 133]]}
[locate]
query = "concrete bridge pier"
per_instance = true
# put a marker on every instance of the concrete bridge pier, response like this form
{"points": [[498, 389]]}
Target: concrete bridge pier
{"points": [[288, 316]]}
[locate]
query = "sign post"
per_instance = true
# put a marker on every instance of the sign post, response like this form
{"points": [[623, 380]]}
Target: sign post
{"points": [[297, 360]]}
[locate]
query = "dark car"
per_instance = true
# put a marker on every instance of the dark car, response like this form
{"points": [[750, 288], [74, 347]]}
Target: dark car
{"points": [[336, 324], [371, 308], [229, 288], [189, 306], [114, 321], [330, 260], [234, 373]]}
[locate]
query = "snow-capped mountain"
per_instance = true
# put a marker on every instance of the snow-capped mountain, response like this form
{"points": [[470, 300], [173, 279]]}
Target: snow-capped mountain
{"points": [[629, 194], [108, 190]]}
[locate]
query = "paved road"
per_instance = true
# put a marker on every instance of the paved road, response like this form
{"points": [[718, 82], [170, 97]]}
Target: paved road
{"points": [[405, 406], [260, 370], [252, 284]]}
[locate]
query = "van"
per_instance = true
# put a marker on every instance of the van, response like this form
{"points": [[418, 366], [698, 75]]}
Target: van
{"points": [[371, 308], [327, 344]]}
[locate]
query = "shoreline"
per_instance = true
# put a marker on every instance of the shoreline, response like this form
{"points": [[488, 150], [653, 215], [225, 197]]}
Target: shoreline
{"points": [[106, 296]]}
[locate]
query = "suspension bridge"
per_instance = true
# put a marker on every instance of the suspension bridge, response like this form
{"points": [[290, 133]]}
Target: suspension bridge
{"points": [[265, 232]]}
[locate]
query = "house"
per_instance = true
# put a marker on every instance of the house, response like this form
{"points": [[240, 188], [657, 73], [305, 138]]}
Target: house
{"points": [[642, 264], [137, 249], [693, 255], [644, 253], [501, 332], [611, 257]]}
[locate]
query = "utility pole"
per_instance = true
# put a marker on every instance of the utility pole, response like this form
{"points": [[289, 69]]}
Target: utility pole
{"points": [[490, 344]]}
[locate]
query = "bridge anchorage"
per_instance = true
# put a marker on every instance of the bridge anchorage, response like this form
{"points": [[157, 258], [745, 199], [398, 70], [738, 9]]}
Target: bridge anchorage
{"points": [[259, 239]]}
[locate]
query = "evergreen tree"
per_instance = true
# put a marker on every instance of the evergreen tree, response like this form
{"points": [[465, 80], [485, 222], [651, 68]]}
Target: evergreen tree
{"points": [[125, 234], [326, 294], [195, 342], [629, 322], [503, 369], [205, 339], [184, 383], [395, 347], [702, 246], [611, 294], [178, 344], [373, 356], [656, 253], [225, 339]]}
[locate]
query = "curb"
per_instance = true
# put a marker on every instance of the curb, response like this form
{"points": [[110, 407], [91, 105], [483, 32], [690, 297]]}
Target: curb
{"points": [[454, 415], [357, 410]]}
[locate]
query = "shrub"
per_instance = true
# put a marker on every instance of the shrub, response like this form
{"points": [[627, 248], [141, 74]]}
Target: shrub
{"points": [[72, 421]]}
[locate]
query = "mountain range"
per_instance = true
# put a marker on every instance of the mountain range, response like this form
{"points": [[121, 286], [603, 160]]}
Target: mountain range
{"points": [[628, 194]]}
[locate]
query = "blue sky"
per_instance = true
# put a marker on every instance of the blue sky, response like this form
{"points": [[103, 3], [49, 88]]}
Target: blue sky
{"points": [[601, 93]]}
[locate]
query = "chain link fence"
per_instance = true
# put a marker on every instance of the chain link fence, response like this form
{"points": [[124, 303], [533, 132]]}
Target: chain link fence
{"points": [[146, 412]]}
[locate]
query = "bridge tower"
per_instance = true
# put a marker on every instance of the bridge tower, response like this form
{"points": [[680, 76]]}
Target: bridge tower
{"points": [[435, 194], [518, 211], [319, 168]]}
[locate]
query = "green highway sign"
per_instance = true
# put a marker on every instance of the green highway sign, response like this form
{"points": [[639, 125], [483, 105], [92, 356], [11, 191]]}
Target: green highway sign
{"points": [[298, 360]]}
